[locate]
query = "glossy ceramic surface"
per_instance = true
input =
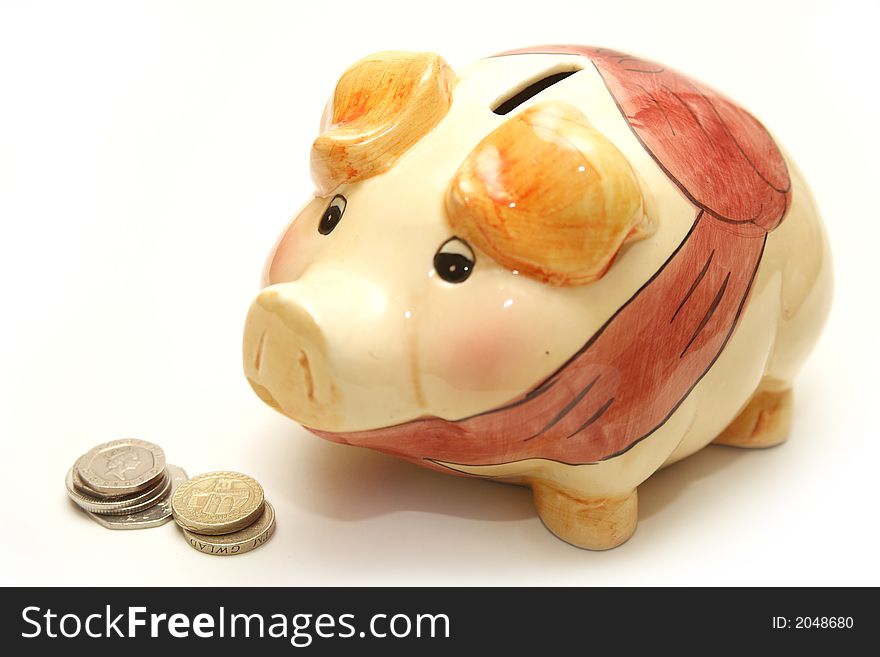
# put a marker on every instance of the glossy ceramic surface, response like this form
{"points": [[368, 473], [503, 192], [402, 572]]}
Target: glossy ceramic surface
{"points": [[561, 266]]}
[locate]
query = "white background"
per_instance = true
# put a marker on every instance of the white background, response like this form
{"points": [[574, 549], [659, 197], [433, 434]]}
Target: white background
{"points": [[150, 153]]}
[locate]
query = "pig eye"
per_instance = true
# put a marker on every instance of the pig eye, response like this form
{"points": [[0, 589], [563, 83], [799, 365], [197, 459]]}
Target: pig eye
{"points": [[332, 215], [454, 260]]}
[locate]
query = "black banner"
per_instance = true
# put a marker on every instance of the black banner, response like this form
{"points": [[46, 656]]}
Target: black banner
{"points": [[436, 621]]}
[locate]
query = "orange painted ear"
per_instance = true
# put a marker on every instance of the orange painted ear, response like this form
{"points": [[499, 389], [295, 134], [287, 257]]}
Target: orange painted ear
{"points": [[381, 107], [548, 195]]}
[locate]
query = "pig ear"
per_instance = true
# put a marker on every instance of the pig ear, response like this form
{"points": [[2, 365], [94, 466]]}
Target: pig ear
{"points": [[548, 195], [382, 106]]}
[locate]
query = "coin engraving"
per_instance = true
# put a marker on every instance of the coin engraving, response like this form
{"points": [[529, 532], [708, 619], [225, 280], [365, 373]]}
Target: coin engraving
{"points": [[121, 466], [220, 497], [244, 540], [218, 503], [125, 461]]}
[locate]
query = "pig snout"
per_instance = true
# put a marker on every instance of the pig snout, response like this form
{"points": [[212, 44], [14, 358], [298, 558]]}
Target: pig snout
{"points": [[285, 359], [331, 353]]}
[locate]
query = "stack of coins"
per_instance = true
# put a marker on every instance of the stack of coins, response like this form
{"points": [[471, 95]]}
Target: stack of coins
{"points": [[124, 484], [223, 513]]}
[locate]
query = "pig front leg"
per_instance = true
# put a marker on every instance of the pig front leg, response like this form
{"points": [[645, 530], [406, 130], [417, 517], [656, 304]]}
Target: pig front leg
{"points": [[594, 523], [591, 505]]}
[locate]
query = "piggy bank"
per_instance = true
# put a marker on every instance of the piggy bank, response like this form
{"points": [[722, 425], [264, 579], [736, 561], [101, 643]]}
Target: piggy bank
{"points": [[562, 267]]}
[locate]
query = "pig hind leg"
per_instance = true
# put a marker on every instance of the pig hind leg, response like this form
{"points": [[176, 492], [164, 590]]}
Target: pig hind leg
{"points": [[764, 422], [599, 523], [798, 252]]}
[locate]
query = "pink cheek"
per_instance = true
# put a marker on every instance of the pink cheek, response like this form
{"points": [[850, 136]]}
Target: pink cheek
{"points": [[484, 360], [278, 266], [287, 261]]}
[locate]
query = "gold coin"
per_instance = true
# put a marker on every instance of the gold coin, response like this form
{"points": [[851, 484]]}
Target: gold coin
{"points": [[244, 540], [217, 503]]}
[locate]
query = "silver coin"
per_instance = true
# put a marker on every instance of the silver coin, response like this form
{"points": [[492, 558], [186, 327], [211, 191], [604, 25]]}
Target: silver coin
{"points": [[118, 504], [157, 494], [121, 466], [156, 515]]}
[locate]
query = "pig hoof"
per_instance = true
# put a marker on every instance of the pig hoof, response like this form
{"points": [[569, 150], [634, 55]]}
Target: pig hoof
{"points": [[764, 422], [598, 523]]}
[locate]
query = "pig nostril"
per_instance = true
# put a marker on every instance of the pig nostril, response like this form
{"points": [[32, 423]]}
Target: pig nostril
{"points": [[258, 361], [307, 370]]}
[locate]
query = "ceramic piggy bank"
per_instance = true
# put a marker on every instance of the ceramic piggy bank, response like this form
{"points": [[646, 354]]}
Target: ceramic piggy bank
{"points": [[562, 267]]}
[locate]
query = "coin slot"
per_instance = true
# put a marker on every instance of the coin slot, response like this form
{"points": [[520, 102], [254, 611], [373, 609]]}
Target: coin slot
{"points": [[532, 88]]}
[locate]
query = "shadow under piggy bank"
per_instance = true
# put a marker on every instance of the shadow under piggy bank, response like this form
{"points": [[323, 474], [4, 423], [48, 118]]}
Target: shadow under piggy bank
{"points": [[350, 483], [353, 483]]}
